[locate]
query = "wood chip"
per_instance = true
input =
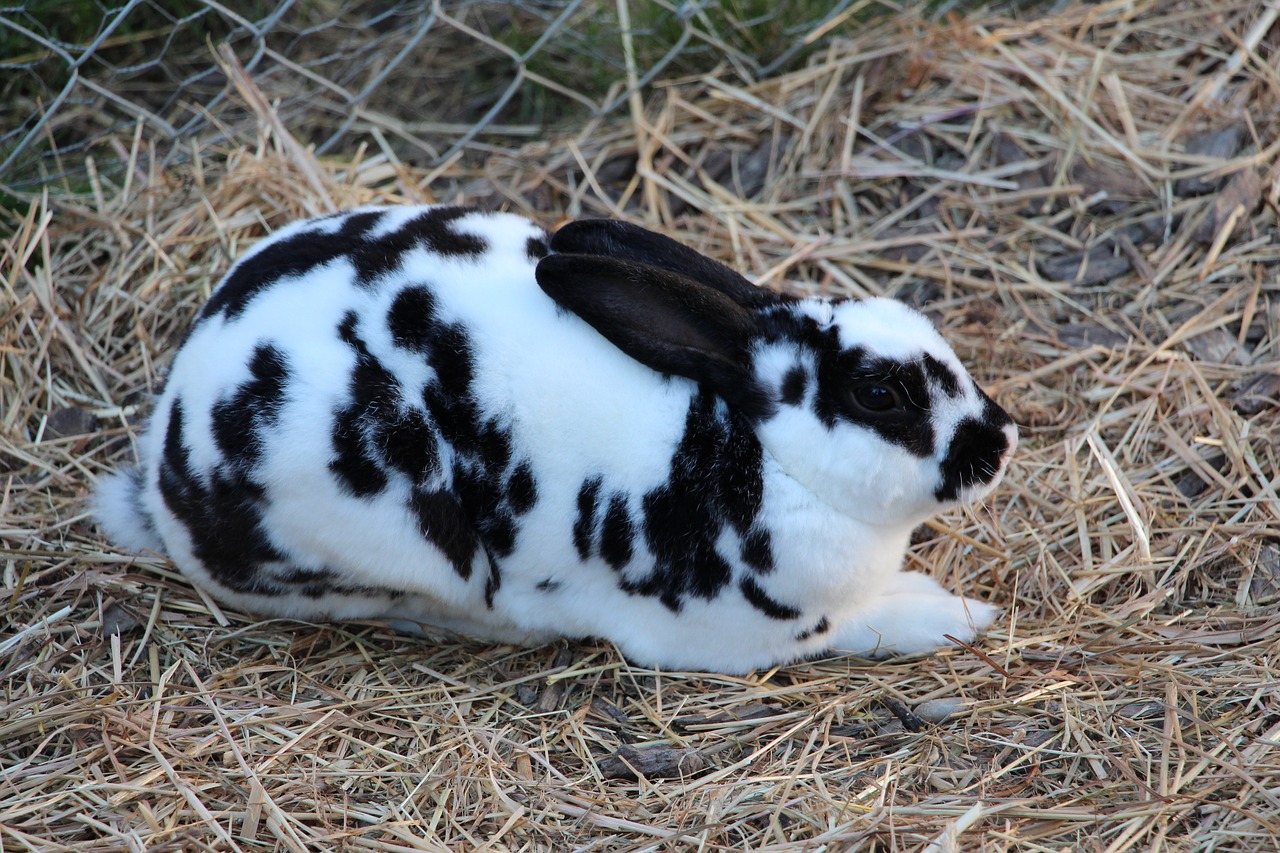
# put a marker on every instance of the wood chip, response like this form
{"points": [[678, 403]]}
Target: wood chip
{"points": [[1217, 346], [118, 619], [653, 762], [1218, 144], [1259, 393], [69, 421], [1115, 186], [749, 711], [1264, 586], [1243, 190], [1191, 485], [553, 693], [1099, 265], [1085, 334], [1265, 583], [905, 715]]}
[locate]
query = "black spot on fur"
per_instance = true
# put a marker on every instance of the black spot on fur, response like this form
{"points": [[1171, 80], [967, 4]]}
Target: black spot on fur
{"points": [[318, 583], [547, 585], [537, 248], [238, 421], [974, 455], [841, 372], [490, 487], [372, 256], [406, 442], [356, 470], [492, 583], [481, 497], [286, 258], [494, 446], [741, 480], [443, 522], [617, 532], [757, 550], [434, 228], [378, 431], [823, 626], [448, 398], [376, 405], [522, 490], [715, 481], [585, 524], [222, 515], [136, 483], [410, 318], [793, 385], [760, 600], [942, 376]]}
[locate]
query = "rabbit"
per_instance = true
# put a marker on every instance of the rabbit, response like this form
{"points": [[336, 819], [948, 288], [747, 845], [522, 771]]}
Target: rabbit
{"points": [[450, 418]]}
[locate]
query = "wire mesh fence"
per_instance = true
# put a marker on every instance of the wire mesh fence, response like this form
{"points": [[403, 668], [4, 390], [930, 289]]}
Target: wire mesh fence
{"points": [[427, 79]]}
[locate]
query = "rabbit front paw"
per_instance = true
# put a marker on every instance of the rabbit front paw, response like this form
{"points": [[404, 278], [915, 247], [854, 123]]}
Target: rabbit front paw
{"points": [[914, 615]]}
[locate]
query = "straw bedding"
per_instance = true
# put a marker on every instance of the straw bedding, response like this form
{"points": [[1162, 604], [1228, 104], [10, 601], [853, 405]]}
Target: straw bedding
{"points": [[1086, 202]]}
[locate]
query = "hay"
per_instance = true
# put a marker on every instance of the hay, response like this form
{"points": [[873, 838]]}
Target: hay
{"points": [[1087, 204]]}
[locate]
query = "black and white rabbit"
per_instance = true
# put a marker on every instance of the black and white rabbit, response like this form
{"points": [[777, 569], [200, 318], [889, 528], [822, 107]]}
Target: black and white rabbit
{"points": [[447, 416]]}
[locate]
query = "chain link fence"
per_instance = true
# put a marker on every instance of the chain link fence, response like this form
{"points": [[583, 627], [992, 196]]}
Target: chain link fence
{"points": [[428, 79]]}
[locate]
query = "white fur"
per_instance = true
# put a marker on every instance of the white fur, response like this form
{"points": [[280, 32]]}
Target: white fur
{"points": [[841, 503]]}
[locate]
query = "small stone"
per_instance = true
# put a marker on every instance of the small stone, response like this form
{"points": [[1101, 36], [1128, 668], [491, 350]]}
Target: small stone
{"points": [[938, 711]]}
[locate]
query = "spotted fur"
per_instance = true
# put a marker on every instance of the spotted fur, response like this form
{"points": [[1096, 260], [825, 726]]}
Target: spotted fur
{"points": [[450, 417]]}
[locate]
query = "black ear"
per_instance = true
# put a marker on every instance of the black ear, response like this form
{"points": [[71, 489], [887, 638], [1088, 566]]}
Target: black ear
{"points": [[664, 320], [616, 239]]}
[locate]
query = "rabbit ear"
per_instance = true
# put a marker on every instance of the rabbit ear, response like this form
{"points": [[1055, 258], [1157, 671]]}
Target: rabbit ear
{"points": [[664, 320], [616, 239]]}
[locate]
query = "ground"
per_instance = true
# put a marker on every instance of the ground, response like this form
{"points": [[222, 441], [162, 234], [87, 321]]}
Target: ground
{"points": [[1085, 202]]}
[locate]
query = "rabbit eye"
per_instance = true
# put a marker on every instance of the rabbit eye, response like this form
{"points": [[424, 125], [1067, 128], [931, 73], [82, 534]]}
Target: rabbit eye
{"points": [[877, 398]]}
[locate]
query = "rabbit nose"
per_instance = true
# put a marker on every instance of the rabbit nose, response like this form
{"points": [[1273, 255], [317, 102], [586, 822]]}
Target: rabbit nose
{"points": [[976, 455]]}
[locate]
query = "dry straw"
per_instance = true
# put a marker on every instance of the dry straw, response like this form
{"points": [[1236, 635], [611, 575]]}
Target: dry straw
{"points": [[1087, 204]]}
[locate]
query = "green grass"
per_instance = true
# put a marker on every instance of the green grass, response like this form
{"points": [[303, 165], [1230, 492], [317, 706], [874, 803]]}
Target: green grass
{"points": [[753, 34]]}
